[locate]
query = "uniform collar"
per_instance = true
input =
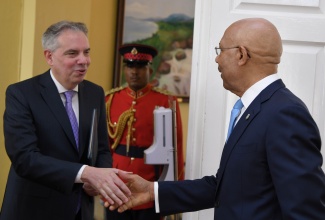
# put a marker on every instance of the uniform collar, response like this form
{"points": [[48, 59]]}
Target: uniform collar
{"points": [[139, 93]]}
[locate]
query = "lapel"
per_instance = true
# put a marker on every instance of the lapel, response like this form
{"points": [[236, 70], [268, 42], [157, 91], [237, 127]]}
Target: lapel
{"points": [[51, 96], [84, 116], [249, 115]]}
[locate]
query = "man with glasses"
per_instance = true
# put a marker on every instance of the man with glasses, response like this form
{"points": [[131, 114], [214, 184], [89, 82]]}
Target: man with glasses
{"points": [[130, 122], [271, 163]]}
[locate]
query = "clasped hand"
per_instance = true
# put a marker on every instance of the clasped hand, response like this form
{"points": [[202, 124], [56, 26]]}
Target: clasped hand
{"points": [[106, 182], [142, 192]]}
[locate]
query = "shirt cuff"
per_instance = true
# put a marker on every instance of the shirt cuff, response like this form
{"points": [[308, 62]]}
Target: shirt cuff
{"points": [[156, 197], [78, 177]]}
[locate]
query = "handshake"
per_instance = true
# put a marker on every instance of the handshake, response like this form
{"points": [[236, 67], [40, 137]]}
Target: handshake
{"points": [[118, 189]]}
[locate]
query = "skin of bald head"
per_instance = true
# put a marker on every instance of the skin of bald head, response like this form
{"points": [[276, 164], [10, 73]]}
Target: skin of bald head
{"points": [[258, 55], [261, 37]]}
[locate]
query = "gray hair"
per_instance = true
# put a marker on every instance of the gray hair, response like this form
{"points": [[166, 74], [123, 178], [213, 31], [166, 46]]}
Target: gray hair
{"points": [[50, 36]]}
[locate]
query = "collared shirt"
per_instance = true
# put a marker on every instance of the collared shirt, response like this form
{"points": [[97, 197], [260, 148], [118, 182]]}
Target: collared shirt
{"points": [[247, 98], [62, 90], [75, 106], [253, 91]]}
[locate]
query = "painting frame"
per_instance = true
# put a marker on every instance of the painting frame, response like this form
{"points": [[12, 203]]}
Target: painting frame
{"points": [[177, 82]]}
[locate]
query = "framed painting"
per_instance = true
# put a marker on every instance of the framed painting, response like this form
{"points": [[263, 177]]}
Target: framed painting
{"points": [[166, 25]]}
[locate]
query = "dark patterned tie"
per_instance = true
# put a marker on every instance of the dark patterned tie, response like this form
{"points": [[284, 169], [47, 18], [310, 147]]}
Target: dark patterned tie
{"points": [[234, 114], [73, 119]]}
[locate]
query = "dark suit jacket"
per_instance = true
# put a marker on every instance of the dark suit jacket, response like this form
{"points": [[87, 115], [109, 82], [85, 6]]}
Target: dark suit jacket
{"points": [[42, 149], [270, 167]]}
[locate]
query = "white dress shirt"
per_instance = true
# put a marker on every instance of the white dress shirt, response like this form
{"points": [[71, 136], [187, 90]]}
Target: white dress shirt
{"points": [[75, 106]]}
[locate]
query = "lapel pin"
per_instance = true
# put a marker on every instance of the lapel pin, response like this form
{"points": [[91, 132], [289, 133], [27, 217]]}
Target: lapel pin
{"points": [[247, 117]]}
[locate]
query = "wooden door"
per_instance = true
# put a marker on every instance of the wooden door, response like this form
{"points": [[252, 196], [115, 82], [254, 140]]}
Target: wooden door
{"points": [[301, 24]]}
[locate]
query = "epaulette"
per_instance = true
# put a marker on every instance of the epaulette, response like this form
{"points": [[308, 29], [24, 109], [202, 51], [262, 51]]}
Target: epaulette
{"points": [[114, 90], [162, 91]]}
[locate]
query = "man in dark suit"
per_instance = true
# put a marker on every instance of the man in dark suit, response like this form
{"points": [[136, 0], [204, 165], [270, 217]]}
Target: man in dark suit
{"points": [[50, 176], [271, 163]]}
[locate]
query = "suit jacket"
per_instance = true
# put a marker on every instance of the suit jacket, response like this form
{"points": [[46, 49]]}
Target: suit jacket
{"points": [[270, 166], [42, 149]]}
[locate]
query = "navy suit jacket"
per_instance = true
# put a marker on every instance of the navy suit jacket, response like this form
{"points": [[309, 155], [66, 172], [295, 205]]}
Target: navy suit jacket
{"points": [[270, 166], [40, 144]]}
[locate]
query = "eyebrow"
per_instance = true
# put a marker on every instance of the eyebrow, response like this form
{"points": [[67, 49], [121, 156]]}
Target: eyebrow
{"points": [[70, 50], [75, 50]]}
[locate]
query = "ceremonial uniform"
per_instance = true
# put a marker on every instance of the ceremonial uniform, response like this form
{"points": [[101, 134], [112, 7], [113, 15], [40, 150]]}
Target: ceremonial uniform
{"points": [[130, 119]]}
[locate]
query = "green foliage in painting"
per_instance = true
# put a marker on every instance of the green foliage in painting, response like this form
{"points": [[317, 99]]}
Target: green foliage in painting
{"points": [[163, 40]]}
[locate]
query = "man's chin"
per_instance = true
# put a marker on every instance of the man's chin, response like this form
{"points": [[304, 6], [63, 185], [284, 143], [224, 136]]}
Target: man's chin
{"points": [[225, 86], [79, 79], [81, 76], [134, 83]]}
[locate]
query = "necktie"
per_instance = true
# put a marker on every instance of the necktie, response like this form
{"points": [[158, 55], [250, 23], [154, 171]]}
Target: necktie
{"points": [[234, 114], [74, 124], [73, 119]]}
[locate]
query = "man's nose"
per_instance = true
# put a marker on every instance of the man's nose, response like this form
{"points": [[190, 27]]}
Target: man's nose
{"points": [[134, 69], [83, 59]]}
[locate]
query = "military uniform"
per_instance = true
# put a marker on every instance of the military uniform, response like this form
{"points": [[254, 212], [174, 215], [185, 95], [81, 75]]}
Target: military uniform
{"points": [[130, 123]]}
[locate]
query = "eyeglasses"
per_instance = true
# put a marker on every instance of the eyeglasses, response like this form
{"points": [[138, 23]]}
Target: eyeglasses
{"points": [[219, 49]]}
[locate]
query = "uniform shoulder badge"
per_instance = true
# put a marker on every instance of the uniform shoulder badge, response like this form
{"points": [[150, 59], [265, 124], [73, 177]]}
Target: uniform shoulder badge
{"points": [[162, 91], [114, 90]]}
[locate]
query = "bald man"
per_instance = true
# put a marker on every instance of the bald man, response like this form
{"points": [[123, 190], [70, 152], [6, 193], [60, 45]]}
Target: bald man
{"points": [[271, 163]]}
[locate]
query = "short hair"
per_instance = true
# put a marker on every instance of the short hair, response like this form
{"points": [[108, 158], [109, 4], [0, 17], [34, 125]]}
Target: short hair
{"points": [[50, 36]]}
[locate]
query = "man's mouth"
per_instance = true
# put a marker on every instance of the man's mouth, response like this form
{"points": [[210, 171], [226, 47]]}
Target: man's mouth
{"points": [[82, 71]]}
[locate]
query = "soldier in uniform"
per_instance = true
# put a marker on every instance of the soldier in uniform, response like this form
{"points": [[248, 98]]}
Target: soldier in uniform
{"points": [[131, 124]]}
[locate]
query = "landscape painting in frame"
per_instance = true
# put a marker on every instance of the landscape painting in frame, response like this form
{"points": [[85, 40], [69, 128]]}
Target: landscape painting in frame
{"points": [[166, 25]]}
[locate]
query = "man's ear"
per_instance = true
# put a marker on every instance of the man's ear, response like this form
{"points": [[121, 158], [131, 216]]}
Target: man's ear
{"points": [[243, 55], [48, 57]]}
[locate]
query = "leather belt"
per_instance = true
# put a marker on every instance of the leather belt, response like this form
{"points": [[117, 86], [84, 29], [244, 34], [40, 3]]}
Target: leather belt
{"points": [[134, 151]]}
